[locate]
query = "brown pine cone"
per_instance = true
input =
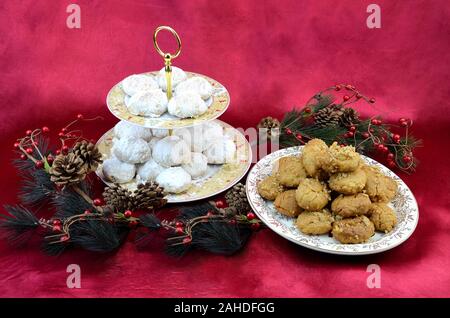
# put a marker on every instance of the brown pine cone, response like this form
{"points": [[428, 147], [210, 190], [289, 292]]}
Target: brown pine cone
{"points": [[269, 123], [328, 116], [236, 198], [67, 169], [349, 117], [89, 153], [119, 198], [149, 196]]}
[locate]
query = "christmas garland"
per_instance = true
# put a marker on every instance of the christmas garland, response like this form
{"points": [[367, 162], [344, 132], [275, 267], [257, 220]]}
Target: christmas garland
{"points": [[57, 203], [330, 118]]}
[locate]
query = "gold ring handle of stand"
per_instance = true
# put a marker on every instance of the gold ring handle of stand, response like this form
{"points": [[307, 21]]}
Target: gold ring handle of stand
{"points": [[168, 57]]}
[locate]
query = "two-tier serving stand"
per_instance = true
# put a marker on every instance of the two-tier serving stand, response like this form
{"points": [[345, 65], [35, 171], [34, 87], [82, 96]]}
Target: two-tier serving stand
{"points": [[218, 177]]}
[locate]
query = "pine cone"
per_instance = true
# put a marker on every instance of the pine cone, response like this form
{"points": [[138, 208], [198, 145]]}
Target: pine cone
{"points": [[149, 196], [118, 197], [236, 198], [349, 117], [67, 169], [328, 116], [88, 153], [269, 123]]}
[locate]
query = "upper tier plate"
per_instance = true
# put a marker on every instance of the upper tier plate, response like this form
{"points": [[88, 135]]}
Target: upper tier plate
{"points": [[218, 104], [404, 205]]}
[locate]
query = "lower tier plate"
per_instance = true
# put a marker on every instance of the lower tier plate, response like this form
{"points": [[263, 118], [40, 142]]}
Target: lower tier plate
{"points": [[217, 179]]}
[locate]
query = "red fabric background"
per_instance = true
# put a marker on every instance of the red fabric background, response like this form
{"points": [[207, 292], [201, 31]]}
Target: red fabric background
{"points": [[270, 55]]}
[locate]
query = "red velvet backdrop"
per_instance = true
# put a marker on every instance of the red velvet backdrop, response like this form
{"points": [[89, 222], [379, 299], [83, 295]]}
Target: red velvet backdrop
{"points": [[270, 55]]}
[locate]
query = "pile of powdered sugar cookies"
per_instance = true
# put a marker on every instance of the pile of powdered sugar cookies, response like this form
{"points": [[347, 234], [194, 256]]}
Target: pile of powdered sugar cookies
{"points": [[174, 161], [146, 94]]}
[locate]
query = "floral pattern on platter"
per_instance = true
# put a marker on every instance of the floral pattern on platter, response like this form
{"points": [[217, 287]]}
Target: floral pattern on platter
{"points": [[217, 105], [404, 205], [218, 178]]}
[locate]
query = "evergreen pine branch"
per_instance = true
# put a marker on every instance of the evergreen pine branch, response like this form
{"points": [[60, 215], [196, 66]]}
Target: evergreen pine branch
{"points": [[36, 188], [96, 235], [17, 226]]}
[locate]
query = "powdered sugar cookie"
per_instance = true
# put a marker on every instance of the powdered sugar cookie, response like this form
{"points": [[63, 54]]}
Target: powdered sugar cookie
{"points": [[178, 75], [197, 166], [187, 105], [124, 129], [131, 150], [196, 84], [138, 82], [148, 103], [117, 171], [149, 171], [174, 180], [171, 151]]}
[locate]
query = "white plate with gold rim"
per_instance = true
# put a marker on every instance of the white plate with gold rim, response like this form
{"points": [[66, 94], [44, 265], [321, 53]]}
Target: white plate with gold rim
{"points": [[404, 205], [217, 105], [218, 178]]}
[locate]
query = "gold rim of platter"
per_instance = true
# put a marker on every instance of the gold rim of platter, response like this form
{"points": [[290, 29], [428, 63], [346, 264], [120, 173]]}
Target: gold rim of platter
{"points": [[222, 177], [219, 102]]}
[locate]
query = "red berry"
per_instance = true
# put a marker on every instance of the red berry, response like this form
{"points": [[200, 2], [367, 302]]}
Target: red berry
{"points": [[23, 157], [366, 134], [56, 228], [392, 164], [220, 204], [28, 132], [380, 147], [179, 230], [39, 164], [385, 149], [406, 158], [350, 134], [371, 130], [288, 131], [210, 213], [45, 129], [390, 156], [250, 216], [307, 110], [352, 128], [64, 238], [16, 145], [255, 226], [29, 151], [348, 87], [97, 202], [374, 121], [299, 136], [63, 130], [401, 120], [396, 138], [187, 240], [358, 95], [232, 222], [56, 222], [337, 87], [346, 97], [179, 224], [372, 100], [80, 116], [58, 151], [86, 212], [65, 149], [61, 134], [128, 213]]}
